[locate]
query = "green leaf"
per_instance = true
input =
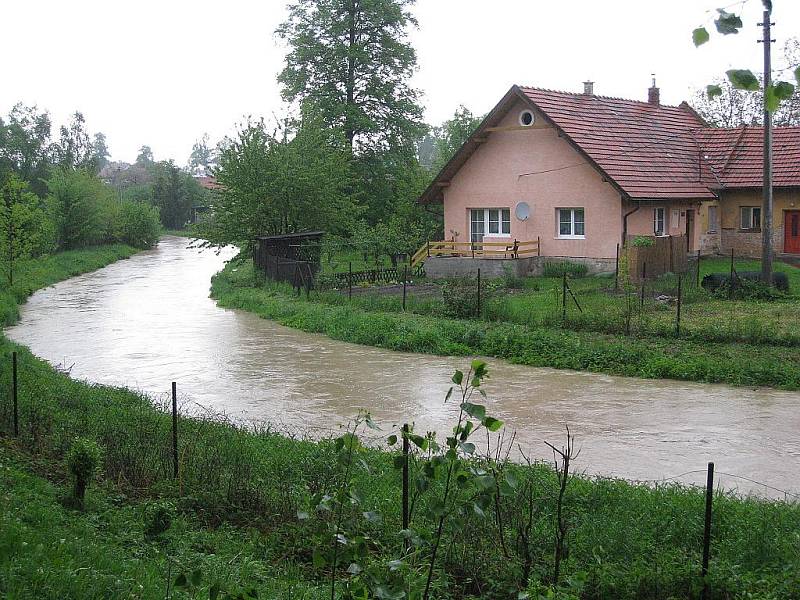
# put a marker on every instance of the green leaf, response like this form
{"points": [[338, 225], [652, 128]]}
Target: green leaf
{"points": [[478, 510], [506, 489], [727, 23], [373, 517], [354, 569], [399, 461], [700, 36], [776, 93], [492, 424], [712, 91], [476, 411], [437, 508], [485, 481], [370, 423], [318, 559], [511, 479], [448, 395], [196, 577], [467, 447], [743, 79], [479, 367], [392, 440], [797, 75], [180, 581], [419, 441], [458, 377]]}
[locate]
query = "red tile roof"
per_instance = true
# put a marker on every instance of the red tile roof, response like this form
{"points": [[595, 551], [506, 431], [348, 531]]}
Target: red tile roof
{"points": [[735, 157], [209, 183], [647, 149]]}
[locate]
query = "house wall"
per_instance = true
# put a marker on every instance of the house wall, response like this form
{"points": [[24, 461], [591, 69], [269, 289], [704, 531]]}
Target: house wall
{"points": [[641, 222], [536, 166], [748, 243]]}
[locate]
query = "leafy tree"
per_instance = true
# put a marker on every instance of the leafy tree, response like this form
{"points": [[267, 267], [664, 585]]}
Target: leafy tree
{"points": [[25, 146], [74, 149], [100, 152], [145, 156], [203, 157], [77, 202], [171, 196], [25, 229], [273, 184], [353, 59], [137, 224], [451, 136]]}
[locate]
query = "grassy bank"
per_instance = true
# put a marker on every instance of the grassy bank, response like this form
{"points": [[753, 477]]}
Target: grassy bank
{"points": [[379, 322], [250, 511]]}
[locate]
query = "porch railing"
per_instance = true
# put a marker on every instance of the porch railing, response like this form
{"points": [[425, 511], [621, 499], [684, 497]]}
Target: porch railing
{"points": [[510, 249]]}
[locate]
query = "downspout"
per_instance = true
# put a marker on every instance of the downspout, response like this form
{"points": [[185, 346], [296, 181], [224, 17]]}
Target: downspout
{"points": [[625, 224]]}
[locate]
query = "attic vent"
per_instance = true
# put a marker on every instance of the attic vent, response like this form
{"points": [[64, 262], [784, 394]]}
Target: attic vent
{"points": [[526, 118]]}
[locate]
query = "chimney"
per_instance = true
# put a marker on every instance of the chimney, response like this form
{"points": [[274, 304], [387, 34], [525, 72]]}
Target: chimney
{"points": [[588, 88], [654, 94]]}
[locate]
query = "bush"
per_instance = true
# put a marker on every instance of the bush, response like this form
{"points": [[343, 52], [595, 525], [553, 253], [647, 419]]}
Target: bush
{"points": [[157, 519], [643, 241], [460, 297], [557, 269], [82, 460], [137, 225]]}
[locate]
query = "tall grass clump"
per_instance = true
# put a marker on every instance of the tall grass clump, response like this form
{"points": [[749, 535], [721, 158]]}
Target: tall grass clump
{"points": [[557, 269]]}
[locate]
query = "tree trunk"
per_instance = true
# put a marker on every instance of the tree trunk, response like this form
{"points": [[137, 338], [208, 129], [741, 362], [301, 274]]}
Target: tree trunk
{"points": [[350, 83]]}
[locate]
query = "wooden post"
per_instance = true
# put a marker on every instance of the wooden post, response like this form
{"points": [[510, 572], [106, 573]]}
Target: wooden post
{"points": [[707, 529], [428, 247], [14, 390], [350, 281], [678, 313], [616, 270], [405, 476], [672, 255], [479, 294], [644, 278], [405, 282], [174, 430], [538, 245]]}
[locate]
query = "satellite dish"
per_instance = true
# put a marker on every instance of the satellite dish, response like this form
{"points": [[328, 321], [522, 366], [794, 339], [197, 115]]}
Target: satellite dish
{"points": [[522, 211]]}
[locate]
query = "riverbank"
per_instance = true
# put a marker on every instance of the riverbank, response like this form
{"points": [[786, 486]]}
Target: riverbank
{"points": [[251, 509], [647, 357]]}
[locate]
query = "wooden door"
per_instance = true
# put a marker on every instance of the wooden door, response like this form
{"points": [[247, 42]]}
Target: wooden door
{"points": [[791, 232]]}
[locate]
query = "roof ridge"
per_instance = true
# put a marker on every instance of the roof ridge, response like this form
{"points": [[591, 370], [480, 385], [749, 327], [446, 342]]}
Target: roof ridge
{"points": [[601, 96]]}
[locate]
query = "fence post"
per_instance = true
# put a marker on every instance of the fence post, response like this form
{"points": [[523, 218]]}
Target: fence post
{"points": [[428, 247], [350, 281], [678, 314], [564, 297], [697, 283], [479, 294], [405, 282], [405, 476], [644, 278], [14, 392], [731, 284], [616, 270], [175, 430], [707, 529], [538, 245]]}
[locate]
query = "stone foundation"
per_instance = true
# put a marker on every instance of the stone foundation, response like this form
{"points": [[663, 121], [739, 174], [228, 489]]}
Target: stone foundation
{"points": [[443, 267]]}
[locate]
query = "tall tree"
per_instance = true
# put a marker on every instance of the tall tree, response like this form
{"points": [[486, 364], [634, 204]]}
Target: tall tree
{"points": [[77, 203], [100, 152], [451, 136], [74, 149], [353, 59], [145, 156], [202, 158], [25, 146], [171, 196]]}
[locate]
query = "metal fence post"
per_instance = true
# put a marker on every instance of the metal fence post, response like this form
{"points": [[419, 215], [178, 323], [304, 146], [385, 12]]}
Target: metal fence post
{"points": [[405, 476], [730, 283], [678, 313], [616, 270], [697, 283], [707, 529], [405, 282], [175, 430], [14, 392], [479, 294], [564, 297], [644, 279]]}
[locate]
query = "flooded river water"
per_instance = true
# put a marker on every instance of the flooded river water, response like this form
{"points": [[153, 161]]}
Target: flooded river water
{"points": [[147, 321]]}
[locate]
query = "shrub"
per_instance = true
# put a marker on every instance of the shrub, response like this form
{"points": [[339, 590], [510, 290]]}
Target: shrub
{"points": [[557, 269], [82, 460], [512, 281], [460, 297], [643, 241], [137, 224], [747, 289], [157, 519]]}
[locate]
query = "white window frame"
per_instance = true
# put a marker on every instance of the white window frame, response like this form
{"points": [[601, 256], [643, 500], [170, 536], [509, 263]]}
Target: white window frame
{"points": [[660, 214], [713, 224], [502, 221], [572, 222], [746, 218]]}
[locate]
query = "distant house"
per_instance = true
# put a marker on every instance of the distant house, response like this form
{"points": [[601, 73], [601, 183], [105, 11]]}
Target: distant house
{"points": [[200, 211], [575, 174]]}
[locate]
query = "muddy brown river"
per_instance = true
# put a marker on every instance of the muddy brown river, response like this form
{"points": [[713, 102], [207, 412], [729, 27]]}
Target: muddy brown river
{"points": [[147, 321]]}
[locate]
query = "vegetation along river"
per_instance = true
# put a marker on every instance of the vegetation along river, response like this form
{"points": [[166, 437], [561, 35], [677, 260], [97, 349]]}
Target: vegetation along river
{"points": [[147, 321]]}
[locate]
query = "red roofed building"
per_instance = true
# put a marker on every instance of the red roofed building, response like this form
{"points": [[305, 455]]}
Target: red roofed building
{"points": [[580, 173]]}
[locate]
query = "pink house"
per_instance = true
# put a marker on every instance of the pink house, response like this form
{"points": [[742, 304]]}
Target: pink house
{"points": [[573, 175]]}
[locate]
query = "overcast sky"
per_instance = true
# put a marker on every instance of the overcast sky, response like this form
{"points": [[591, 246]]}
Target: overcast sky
{"points": [[163, 72]]}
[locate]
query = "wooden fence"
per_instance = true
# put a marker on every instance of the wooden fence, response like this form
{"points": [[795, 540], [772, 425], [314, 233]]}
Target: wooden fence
{"points": [[370, 276], [508, 249], [667, 254]]}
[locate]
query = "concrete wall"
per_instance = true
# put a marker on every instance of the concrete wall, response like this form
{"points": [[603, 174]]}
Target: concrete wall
{"points": [[534, 165], [443, 267]]}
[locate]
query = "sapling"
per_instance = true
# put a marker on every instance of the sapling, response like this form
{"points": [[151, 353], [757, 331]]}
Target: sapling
{"points": [[82, 460]]}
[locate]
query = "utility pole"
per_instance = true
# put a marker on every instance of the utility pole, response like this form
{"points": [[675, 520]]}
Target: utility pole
{"points": [[766, 210]]}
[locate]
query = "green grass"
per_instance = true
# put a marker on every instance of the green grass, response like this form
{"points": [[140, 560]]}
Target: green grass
{"points": [[235, 505], [379, 321]]}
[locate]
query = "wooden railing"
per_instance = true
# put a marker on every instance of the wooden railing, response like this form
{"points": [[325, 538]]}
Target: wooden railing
{"points": [[509, 249]]}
